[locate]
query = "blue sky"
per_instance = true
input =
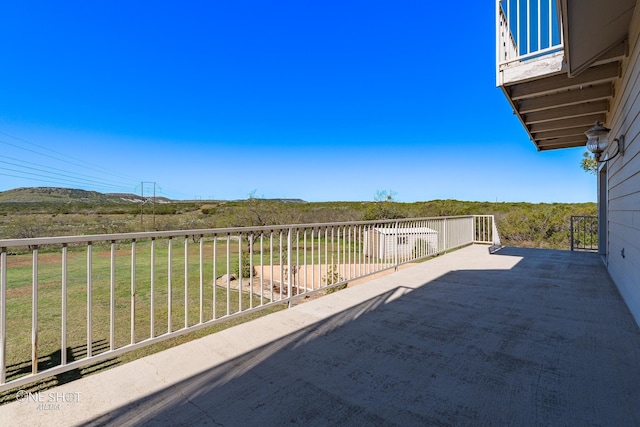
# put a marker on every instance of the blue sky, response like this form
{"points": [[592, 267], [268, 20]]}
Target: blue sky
{"points": [[319, 100]]}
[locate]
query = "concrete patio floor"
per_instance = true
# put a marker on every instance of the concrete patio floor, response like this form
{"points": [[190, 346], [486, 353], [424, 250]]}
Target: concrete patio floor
{"points": [[520, 337]]}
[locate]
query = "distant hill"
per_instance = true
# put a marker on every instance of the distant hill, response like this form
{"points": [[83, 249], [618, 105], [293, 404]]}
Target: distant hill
{"points": [[279, 200], [69, 195], [56, 195]]}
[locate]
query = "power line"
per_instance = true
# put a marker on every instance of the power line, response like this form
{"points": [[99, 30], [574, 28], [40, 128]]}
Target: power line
{"points": [[52, 175], [81, 178], [64, 159], [46, 179], [58, 176]]}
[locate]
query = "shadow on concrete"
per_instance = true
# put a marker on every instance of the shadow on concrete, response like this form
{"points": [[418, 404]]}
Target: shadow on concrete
{"points": [[548, 342], [53, 360]]}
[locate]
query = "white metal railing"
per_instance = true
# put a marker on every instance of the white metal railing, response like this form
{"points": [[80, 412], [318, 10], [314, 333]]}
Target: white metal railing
{"points": [[526, 29], [69, 302]]}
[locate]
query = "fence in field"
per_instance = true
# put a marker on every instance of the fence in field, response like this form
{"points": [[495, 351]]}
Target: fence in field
{"points": [[70, 302]]}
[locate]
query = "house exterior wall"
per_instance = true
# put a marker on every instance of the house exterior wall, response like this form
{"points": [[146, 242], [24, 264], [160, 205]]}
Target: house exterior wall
{"points": [[621, 194]]}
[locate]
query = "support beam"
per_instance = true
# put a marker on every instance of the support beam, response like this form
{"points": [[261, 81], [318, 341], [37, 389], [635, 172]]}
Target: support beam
{"points": [[550, 85], [559, 133], [575, 122], [564, 142], [561, 99], [587, 108]]}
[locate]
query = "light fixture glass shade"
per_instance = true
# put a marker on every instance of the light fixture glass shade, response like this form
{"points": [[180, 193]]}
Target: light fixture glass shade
{"points": [[597, 141]]}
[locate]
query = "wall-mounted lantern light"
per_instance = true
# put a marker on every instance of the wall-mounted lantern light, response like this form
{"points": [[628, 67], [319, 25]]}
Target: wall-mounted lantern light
{"points": [[598, 142]]}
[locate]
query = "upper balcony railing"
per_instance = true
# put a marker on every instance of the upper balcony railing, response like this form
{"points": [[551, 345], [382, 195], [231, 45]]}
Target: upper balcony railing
{"points": [[526, 29], [70, 302]]}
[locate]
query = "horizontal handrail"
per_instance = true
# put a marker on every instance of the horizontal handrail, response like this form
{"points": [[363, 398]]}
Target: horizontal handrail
{"points": [[71, 301]]}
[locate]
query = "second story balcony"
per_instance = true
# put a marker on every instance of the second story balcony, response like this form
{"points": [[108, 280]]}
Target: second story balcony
{"points": [[560, 78]]}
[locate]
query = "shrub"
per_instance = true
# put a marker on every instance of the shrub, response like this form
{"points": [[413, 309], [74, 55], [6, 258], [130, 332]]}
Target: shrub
{"points": [[333, 276]]}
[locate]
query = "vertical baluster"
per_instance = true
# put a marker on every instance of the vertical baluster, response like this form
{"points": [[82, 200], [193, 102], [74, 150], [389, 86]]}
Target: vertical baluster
{"points": [[304, 259], [550, 23], [360, 256], [133, 291], [169, 284], [528, 26], [320, 259], [239, 272], [539, 14], [289, 265], [63, 326], [518, 42], [313, 261], [228, 273], [215, 275], [271, 265], [3, 315], [152, 328], [112, 297], [297, 265], [326, 254], [201, 271], [89, 297], [336, 274], [34, 312], [281, 261], [251, 238], [186, 281], [261, 267], [349, 246]]}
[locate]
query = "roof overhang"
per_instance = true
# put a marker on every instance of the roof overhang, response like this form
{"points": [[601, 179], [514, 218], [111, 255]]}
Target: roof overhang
{"points": [[591, 28], [559, 96]]}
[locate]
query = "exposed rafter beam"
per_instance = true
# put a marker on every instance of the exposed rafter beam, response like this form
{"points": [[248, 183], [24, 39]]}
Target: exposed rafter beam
{"points": [[549, 85], [615, 54], [587, 108], [570, 144], [574, 122], [577, 132], [577, 96], [564, 142]]}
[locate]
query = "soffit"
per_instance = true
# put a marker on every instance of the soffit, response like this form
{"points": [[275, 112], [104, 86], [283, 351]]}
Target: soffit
{"points": [[591, 28]]}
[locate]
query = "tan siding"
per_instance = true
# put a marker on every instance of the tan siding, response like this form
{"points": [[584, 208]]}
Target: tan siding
{"points": [[623, 179], [624, 182]]}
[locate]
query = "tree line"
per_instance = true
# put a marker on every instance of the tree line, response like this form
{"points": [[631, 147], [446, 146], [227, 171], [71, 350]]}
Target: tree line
{"points": [[544, 225]]}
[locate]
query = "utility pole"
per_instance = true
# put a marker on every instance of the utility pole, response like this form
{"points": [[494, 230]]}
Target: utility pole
{"points": [[142, 205], [153, 201]]}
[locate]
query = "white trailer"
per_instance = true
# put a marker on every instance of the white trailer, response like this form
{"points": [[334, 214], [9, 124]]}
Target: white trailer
{"points": [[405, 243]]}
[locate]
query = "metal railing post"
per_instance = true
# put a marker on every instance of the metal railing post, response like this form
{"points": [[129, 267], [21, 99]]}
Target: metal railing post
{"points": [[289, 264], [186, 281], [63, 326], [571, 238], [444, 233], [89, 298], [112, 297], [152, 314], [3, 315], [397, 244], [133, 292], [34, 312]]}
